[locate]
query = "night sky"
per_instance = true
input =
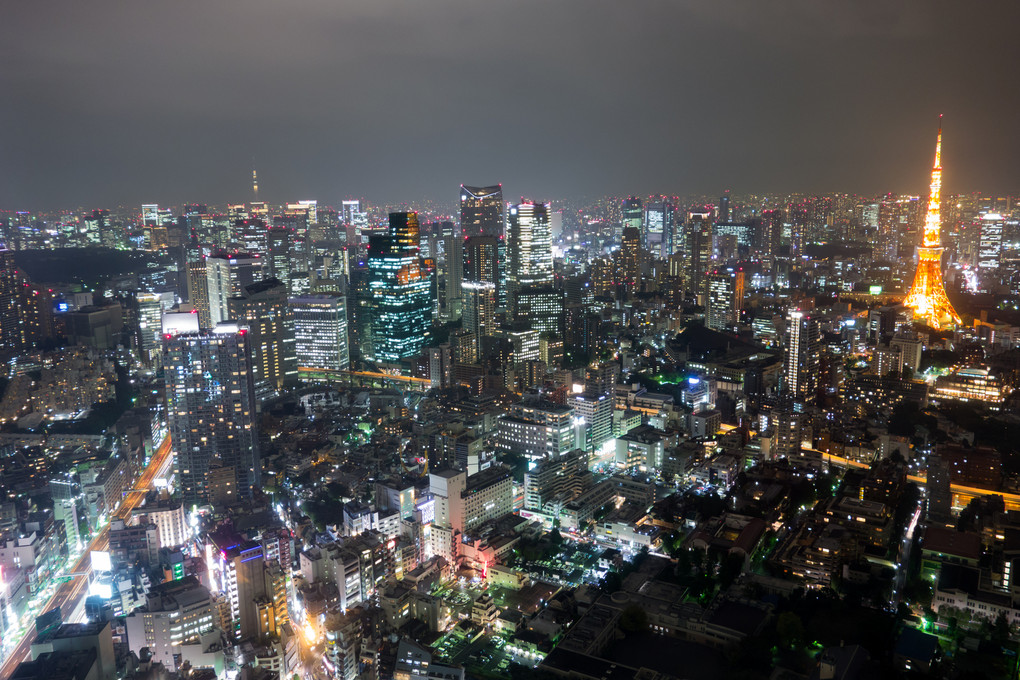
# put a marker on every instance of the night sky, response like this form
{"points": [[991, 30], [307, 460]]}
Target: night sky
{"points": [[105, 103]]}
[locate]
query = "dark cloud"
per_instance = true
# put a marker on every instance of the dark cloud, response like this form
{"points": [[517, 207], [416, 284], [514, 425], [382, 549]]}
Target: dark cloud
{"points": [[122, 102]]}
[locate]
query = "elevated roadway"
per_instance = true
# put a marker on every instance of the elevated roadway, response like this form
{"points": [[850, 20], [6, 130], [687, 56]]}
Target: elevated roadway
{"points": [[962, 494], [69, 594]]}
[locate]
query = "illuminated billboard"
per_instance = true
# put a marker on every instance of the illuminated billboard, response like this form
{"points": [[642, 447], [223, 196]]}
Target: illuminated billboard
{"points": [[101, 561]]}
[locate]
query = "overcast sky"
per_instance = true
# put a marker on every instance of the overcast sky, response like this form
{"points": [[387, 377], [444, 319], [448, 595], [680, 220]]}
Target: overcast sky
{"points": [[105, 103]]}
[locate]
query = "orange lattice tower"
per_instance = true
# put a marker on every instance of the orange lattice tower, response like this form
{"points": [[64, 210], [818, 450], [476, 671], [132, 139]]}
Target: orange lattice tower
{"points": [[927, 296]]}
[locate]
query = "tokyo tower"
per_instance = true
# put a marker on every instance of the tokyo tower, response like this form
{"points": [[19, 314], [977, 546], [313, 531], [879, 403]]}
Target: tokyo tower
{"points": [[927, 296]]}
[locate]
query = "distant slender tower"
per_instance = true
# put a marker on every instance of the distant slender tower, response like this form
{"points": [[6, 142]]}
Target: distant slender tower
{"points": [[255, 183], [927, 296]]}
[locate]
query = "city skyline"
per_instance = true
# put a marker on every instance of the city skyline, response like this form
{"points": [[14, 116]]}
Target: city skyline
{"points": [[336, 104], [693, 372]]}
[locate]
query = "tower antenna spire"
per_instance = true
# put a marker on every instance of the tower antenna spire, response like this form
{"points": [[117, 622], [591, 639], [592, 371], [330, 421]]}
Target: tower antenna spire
{"points": [[927, 296], [254, 179]]}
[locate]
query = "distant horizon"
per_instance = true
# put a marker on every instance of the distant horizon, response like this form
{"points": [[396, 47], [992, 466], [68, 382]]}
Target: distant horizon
{"points": [[389, 206]]}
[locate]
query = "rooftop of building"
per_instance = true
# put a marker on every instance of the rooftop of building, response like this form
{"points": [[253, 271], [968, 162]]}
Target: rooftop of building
{"points": [[71, 630], [486, 478], [543, 405], [644, 434], [263, 285], [564, 662], [951, 542], [63, 665]]}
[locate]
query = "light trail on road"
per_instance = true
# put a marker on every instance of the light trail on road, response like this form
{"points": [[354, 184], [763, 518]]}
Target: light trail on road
{"points": [[72, 591]]}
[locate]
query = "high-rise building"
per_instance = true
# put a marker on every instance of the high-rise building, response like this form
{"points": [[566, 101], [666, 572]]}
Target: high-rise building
{"points": [[226, 276], [481, 211], [198, 285], [724, 298], [210, 404], [630, 259], [279, 254], [659, 228], [464, 502], [724, 209], [96, 228], [244, 581], [698, 244], [464, 346], [803, 356], [320, 332], [990, 245], [481, 255], [927, 295], [354, 220], [769, 235], [479, 308], [36, 304], [251, 235], [536, 430], [262, 308], [555, 480], [453, 275], [150, 214], [529, 247], [600, 378], [540, 308], [401, 301], [10, 319], [593, 420], [632, 214], [150, 321], [175, 613]]}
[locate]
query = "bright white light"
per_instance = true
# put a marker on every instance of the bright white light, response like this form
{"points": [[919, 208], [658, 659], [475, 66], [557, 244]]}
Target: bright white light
{"points": [[101, 561]]}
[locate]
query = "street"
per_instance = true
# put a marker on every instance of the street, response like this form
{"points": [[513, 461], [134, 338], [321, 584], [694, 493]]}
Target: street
{"points": [[68, 595]]}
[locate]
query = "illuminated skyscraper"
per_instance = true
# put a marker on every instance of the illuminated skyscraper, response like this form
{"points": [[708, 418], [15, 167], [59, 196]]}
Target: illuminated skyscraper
{"points": [[96, 228], [10, 319], [251, 235], [226, 277], [481, 260], [197, 282], [724, 297], [453, 273], [279, 253], [262, 308], [400, 297], [803, 356], [150, 314], [210, 403], [659, 228], [479, 308], [927, 296], [150, 214], [481, 211], [724, 209], [632, 214], [630, 259], [320, 332], [990, 246], [529, 247], [698, 244], [769, 236], [482, 223], [540, 307]]}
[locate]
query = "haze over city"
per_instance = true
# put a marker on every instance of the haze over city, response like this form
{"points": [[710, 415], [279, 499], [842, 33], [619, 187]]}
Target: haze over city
{"points": [[110, 103]]}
